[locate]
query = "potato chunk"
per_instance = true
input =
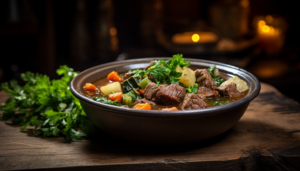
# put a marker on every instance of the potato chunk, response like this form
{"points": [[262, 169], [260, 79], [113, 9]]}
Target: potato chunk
{"points": [[188, 77], [240, 84], [113, 87]]}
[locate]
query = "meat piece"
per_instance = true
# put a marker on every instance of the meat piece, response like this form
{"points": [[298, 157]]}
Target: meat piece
{"points": [[127, 75], [208, 81], [172, 94], [164, 94], [192, 101], [152, 62], [151, 77], [206, 92], [229, 90], [151, 90], [144, 101]]}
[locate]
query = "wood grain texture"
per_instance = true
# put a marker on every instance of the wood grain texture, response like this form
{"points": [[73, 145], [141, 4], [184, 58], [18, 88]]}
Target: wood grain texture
{"points": [[266, 138]]}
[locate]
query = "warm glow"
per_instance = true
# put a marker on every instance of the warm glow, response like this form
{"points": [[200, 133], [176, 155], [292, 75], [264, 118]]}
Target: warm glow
{"points": [[195, 37], [265, 28], [245, 3], [261, 23], [269, 19], [114, 41], [113, 31]]}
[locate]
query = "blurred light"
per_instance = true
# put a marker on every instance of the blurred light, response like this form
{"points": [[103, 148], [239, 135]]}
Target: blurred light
{"points": [[261, 23], [113, 31], [265, 28], [245, 3], [195, 37], [269, 19], [114, 41]]}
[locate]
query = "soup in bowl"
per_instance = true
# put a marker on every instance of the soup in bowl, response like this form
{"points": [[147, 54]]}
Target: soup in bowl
{"points": [[165, 100]]}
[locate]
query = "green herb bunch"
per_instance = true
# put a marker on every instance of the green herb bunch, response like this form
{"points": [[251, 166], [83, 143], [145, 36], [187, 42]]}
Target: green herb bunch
{"points": [[47, 105], [164, 72]]}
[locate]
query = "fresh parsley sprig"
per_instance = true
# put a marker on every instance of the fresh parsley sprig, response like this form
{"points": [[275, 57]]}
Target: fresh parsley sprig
{"points": [[164, 72], [48, 105]]}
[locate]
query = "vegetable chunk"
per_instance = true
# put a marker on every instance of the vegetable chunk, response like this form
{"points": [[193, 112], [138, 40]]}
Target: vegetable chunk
{"points": [[90, 87], [116, 96], [188, 77], [170, 109], [241, 85], [142, 106], [114, 76], [113, 87]]}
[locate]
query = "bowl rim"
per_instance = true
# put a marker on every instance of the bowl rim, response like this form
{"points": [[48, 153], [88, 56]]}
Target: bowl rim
{"points": [[160, 113]]}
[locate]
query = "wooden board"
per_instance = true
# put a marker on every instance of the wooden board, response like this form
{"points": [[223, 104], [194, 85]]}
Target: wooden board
{"points": [[266, 138]]}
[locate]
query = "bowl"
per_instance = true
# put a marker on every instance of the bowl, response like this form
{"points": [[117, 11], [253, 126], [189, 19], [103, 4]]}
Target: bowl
{"points": [[162, 127]]}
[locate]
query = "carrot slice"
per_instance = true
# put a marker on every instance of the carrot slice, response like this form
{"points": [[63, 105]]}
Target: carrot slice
{"points": [[142, 106], [114, 76], [90, 93], [90, 87], [142, 91], [170, 109], [116, 96]]}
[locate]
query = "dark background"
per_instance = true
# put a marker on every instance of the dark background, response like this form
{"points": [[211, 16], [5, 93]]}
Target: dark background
{"points": [[39, 36]]}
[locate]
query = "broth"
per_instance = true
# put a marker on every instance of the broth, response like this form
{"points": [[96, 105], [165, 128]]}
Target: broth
{"points": [[209, 100]]}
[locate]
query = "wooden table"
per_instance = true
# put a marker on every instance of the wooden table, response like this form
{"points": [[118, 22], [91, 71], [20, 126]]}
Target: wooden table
{"points": [[266, 138]]}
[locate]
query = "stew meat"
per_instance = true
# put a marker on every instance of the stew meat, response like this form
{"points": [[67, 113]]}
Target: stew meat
{"points": [[168, 85]]}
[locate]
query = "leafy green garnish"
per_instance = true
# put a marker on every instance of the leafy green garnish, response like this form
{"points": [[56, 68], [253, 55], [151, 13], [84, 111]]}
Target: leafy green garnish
{"points": [[164, 71], [138, 73], [193, 89], [218, 80], [219, 103], [47, 105], [105, 100]]}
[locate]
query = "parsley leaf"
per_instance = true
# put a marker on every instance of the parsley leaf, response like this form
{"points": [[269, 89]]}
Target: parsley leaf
{"points": [[218, 80], [164, 71], [219, 103], [193, 89], [105, 100], [48, 105]]}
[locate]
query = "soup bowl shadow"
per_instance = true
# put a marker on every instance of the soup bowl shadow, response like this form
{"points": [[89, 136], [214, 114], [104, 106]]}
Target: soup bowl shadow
{"points": [[162, 127]]}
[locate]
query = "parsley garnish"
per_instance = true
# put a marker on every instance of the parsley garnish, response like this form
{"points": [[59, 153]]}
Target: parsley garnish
{"points": [[164, 71], [47, 105], [218, 80], [219, 103], [193, 89], [107, 101]]}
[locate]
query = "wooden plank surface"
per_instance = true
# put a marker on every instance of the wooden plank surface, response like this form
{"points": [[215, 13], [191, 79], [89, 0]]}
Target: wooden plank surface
{"points": [[266, 138]]}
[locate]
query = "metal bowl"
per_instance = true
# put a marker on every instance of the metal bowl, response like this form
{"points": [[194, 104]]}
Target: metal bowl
{"points": [[162, 127]]}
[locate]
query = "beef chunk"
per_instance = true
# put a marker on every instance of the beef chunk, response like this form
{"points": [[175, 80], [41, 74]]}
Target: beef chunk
{"points": [[206, 92], [192, 101], [172, 94], [164, 94], [151, 77], [152, 62], [229, 90], [127, 75], [151, 90], [144, 101], [208, 81]]}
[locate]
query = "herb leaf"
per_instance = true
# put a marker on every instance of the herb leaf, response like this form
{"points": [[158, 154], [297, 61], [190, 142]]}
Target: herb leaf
{"points": [[48, 105], [218, 80], [164, 71], [193, 89], [219, 103], [105, 100]]}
